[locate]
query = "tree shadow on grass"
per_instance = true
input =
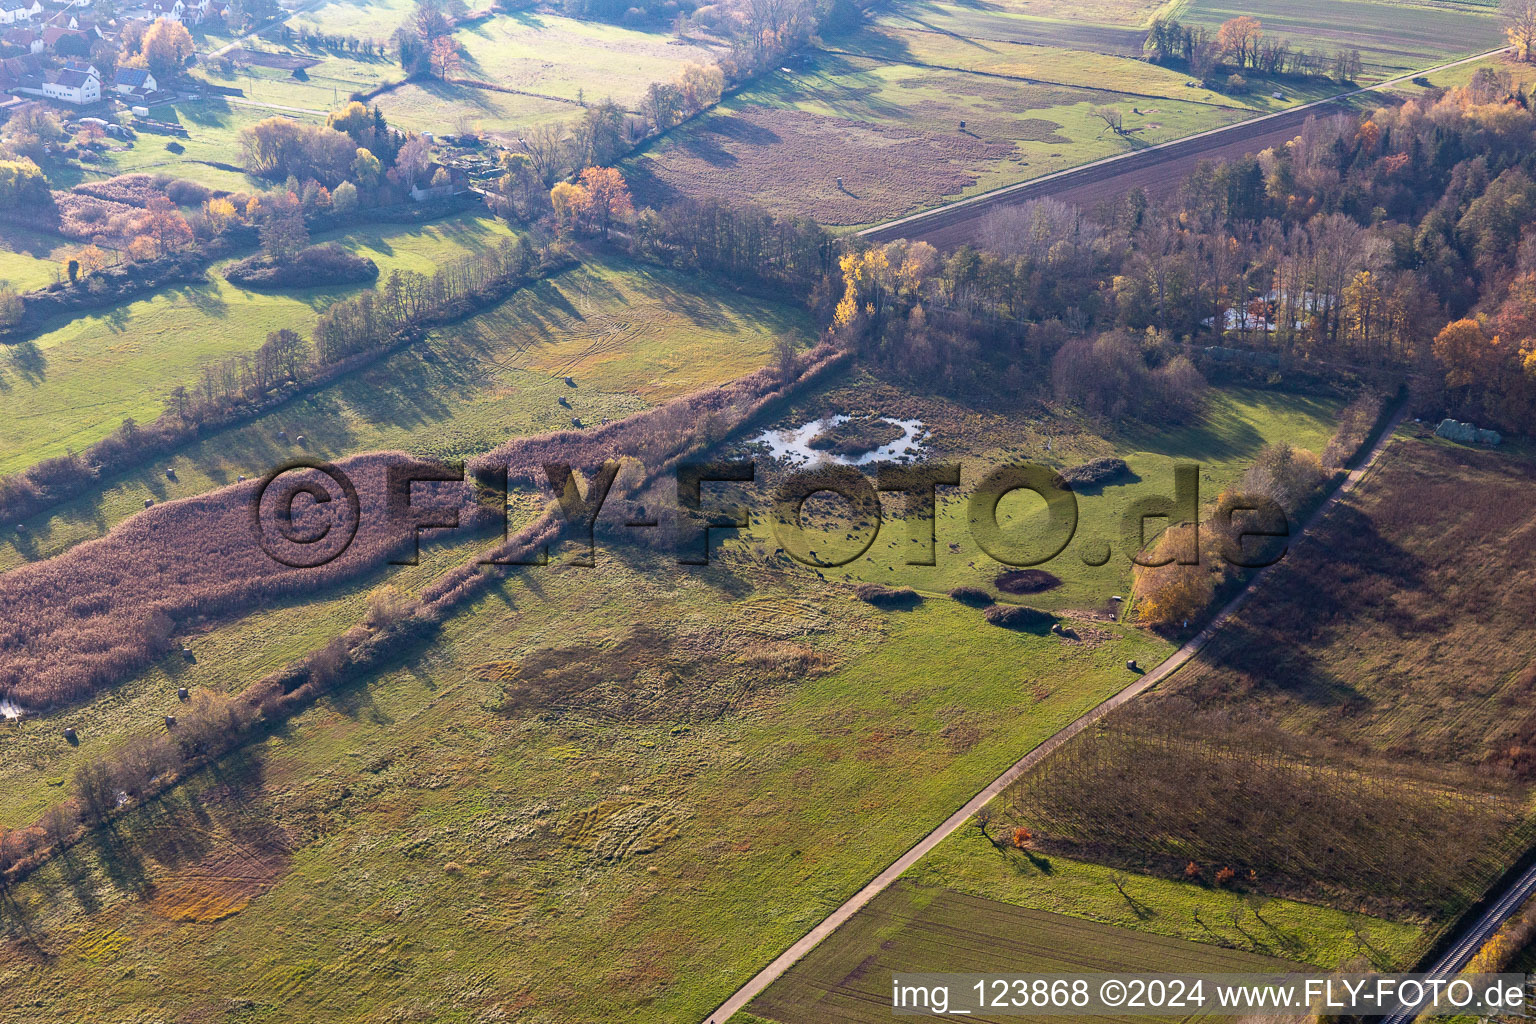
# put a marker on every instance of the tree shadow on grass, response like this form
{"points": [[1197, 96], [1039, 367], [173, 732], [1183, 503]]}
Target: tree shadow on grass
{"points": [[30, 362], [19, 922]]}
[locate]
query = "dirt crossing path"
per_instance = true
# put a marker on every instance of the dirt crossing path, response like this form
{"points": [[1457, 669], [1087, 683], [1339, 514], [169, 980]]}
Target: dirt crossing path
{"points": [[768, 975]]}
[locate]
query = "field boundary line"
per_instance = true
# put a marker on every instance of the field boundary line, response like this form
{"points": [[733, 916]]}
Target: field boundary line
{"points": [[1210, 133], [785, 960]]}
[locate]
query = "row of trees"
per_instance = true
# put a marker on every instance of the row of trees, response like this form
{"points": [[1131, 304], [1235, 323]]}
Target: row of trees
{"points": [[370, 321], [210, 725], [1240, 43], [305, 35], [1186, 783]]}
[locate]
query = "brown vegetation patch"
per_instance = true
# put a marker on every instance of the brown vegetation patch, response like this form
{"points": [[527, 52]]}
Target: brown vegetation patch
{"points": [[1026, 581], [314, 266], [614, 829], [1097, 472], [75, 623], [887, 597], [1013, 616], [1157, 795], [791, 160], [84, 217], [140, 189], [219, 886], [856, 436], [648, 675]]}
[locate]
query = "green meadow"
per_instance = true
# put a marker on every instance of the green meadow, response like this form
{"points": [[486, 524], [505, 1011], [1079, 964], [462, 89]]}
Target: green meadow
{"points": [[630, 335], [647, 778], [76, 383]]}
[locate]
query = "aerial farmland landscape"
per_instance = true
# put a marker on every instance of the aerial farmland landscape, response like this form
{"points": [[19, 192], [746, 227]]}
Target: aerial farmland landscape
{"points": [[767, 511]]}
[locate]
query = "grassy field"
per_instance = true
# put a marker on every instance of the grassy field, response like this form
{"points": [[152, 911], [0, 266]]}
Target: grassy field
{"points": [[631, 821], [1290, 929], [211, 147], [74, 384], [541, 65], [648, 779], [630, 335], [898, 130], [1521, 73], [1117, 28], [1222, 442], [1393, 38], [912, 928], [374, 19], [30, 259], [554, 56], [902, 37]]}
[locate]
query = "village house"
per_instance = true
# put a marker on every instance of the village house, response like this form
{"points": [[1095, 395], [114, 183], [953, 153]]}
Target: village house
{"points": [[443, 182], [76, 83], [24, 39], [188, 12], [134, 82], [19, 12], [65, 41]]}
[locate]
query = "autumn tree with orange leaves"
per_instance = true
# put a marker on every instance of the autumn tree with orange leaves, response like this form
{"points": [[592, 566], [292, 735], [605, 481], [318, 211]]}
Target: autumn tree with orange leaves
{"points": [[1240, 38], [607, 196]]}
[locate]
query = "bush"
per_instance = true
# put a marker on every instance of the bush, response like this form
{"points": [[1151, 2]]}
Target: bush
{"points": [[973, 596], [1169, 595], [1026, 581], [1014, 616], [1291, 477], [1355, 425], [1108, 376], [316, 265], [1099, 471], [887, 597]]}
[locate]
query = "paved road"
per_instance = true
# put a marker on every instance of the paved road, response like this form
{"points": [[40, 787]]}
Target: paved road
{"points": [[768, 975], [1157, 168], [1475, 935]]}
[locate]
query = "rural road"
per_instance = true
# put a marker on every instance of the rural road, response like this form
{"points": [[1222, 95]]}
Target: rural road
{"points": [[1473, 938], [884, 879], [1156, 168], [239, 102]]}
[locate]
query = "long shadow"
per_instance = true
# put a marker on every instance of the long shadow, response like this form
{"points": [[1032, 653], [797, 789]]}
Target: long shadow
{"points": [[30, 362], [19, 919], [1314, 600], [120, 862]]}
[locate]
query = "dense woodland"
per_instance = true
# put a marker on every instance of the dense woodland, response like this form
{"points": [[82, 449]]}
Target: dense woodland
{"points": [[1399, 246]]}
